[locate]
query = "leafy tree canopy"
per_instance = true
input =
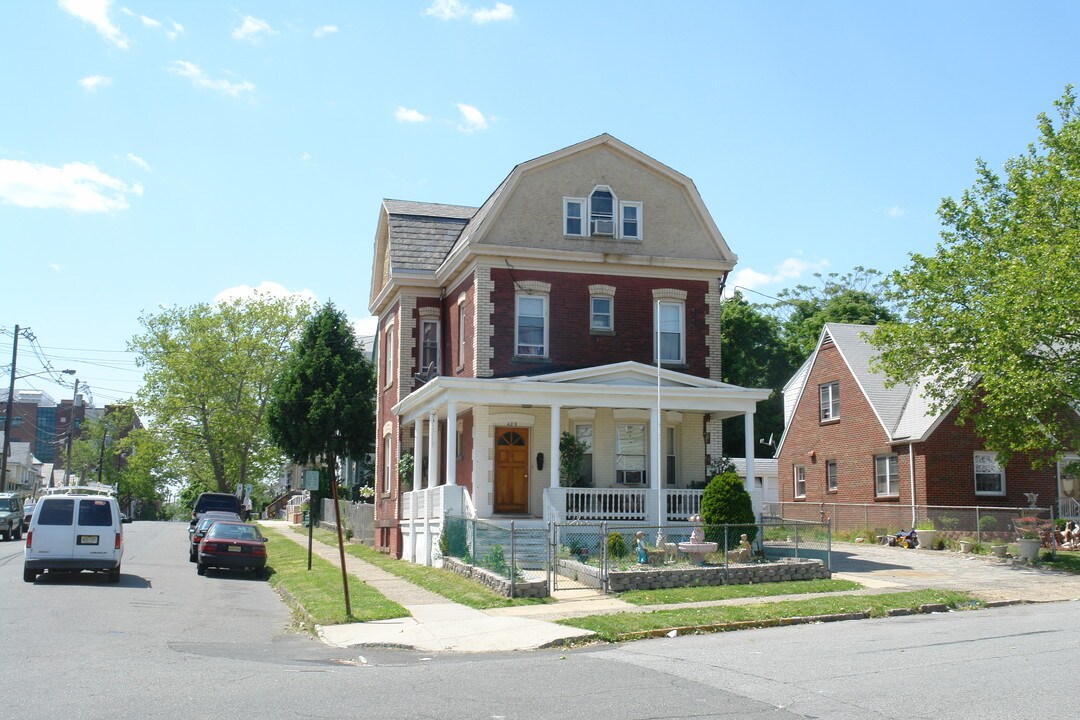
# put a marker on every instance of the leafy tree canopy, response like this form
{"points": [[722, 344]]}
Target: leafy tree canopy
{"points": [[208, 370], [993, 318]]}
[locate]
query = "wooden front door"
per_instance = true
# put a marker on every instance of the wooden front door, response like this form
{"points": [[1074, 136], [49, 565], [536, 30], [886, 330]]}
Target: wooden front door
{"points": [[511, 470]]}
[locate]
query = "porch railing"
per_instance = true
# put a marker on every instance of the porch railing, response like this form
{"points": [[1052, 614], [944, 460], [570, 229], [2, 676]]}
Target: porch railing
{"points": [[606, 504]]}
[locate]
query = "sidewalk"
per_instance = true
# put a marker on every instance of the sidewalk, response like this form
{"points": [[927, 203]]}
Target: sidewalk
{"points": [[437, 624]]}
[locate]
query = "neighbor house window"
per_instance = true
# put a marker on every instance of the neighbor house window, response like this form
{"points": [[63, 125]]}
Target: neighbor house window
{"points": [[573, 216], [429, 346], [886, 475], [388, 465], [989, 475], [670, 458], [584, 435], [601, 313], [531, 327], [671, 332], [830, 475], [630, 220], [630, 454], [388, 359], [830, 401], [799, 473], [461, 335], [602, 212]]}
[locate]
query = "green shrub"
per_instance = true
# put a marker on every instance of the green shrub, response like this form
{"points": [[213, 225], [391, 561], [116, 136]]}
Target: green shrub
{"points": [[946, 522], [987, 523], [725, 501], [454, 541], [616, 545]]}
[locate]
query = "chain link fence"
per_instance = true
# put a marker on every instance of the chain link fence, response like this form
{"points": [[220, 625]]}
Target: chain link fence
{"points": [[514, 553]]}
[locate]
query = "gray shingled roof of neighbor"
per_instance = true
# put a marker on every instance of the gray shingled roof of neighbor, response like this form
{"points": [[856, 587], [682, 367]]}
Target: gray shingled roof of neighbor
{"points": [[421, 234]]}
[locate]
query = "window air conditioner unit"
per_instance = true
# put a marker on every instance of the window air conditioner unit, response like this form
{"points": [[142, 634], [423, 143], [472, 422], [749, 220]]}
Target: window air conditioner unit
{"points": [[603, 227]]}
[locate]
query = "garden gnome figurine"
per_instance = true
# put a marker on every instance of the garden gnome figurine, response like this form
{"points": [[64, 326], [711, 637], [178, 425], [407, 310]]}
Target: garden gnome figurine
{"points": [[639, 543]]}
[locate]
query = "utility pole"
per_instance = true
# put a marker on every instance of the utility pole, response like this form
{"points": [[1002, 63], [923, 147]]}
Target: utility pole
{"points": [[71, 434], [7, 415]]}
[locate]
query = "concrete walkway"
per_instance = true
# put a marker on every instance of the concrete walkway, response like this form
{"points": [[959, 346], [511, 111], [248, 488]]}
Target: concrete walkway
{"points": [[439, 625]]}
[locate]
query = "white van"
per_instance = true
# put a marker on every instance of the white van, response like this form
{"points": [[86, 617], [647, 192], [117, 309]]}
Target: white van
{"points": [[71, 533]]}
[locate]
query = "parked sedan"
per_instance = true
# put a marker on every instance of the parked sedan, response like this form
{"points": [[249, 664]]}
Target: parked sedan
{"points": [[197, 531], [234, 546]]}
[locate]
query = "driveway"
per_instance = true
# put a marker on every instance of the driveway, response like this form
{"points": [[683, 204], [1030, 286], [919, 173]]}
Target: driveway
{"points": [[992, 579]]}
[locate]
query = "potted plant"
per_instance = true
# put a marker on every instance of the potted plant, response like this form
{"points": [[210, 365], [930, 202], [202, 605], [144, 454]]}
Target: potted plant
{"points": [[926, 534], [966, 545], [1028, 537]]}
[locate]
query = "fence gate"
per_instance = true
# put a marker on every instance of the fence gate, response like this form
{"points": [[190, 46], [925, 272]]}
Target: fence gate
{"points": [[577, 558]]}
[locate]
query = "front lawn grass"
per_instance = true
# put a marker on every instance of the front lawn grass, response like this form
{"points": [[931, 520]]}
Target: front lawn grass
{"points": [[1067, 561], [672, 596], [448, 584], [627, 625], [319, 590]]}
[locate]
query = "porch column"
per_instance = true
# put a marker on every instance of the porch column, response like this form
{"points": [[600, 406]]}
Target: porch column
{"points": [[451, 443], [553, 458], [417, 454], [748, 449], [433, 452], [656, 482]]}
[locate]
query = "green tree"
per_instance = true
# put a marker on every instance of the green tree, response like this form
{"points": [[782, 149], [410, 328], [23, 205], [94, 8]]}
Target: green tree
{"points": [[726, 502], [993, 317], [753, 356], [860, 297], [322, 405], [207, 375]]}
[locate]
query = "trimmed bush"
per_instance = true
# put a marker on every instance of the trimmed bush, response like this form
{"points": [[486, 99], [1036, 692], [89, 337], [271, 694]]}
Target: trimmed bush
{"points": [[725, 501], [616, 545]]}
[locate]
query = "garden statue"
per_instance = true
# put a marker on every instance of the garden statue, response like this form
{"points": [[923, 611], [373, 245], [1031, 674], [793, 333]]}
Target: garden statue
{"points": [[639, 543], [744, 553]]}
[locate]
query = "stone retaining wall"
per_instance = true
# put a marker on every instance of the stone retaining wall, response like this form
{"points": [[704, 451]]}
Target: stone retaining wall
{"points": [[497, 583], [779, 571]]}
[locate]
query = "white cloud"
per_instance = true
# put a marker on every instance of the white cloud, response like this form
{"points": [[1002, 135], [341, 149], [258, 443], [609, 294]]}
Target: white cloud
{"points": [[75, 186], [96, 12], [177, 29], [896, 211], [200, 79], [305, 158], [252, 30], [789, 269], [265, 288], [93, 82], [408, 115], [150, 22], [325, 30], [472, 119], [366, 327], [139, 162], [501, 11], [455, 10], [55, 267]]}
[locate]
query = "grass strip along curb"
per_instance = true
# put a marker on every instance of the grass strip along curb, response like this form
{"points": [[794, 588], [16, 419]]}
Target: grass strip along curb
{"points": [[448, 584], [631, 626], [317, 594], [706, 593]]}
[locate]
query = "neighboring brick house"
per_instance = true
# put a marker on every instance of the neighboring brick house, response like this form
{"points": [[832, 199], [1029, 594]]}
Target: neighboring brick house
{"points": [[503, 326], [850, 439]]}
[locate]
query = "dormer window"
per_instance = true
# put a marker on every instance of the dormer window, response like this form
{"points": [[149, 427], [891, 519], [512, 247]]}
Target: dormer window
{"points": [[602, 212]]}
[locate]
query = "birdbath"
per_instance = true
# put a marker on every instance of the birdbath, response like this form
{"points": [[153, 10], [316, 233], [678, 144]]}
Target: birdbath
{"points": [[696, 548]]}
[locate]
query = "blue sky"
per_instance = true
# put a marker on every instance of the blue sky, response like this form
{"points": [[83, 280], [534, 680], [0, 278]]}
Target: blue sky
{"points": [[171, 153]]}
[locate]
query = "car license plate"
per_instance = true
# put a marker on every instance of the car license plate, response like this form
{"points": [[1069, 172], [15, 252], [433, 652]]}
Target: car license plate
{"points": [[88, 539], [234, 548]]}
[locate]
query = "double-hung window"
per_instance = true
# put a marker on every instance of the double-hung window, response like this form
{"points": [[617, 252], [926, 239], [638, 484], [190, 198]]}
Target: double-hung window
{"points": [[886, 476], [461, 335], [574, 216], [671, 332], [584, 434], [630, 454], [630, 220], [830, 476], [989, 475], [799, 476], [602, 205], [671, 464], [388, 357], [531, 328], [388, 465], [429, 346], [601, 313], [829, 394]]}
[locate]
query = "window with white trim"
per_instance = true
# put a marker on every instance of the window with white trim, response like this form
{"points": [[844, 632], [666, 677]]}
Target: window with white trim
{"points": [[886, 475], [989, 475], [799, 476], [671, 458], [630, 220], [601, 312], [388, 465], [574, 216], [388, 357], [602, 204], [830, 475], [429, 345], [584, 435], [630, 454], [461, 335], [672, 343], [531, 327], [829, 396]]}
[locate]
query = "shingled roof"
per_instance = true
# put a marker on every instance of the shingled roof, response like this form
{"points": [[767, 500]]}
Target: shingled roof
{"points": [[421, 234]]}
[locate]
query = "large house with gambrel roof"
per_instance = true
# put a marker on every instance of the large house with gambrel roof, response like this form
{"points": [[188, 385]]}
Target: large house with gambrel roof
{"points": [[582, 297]]}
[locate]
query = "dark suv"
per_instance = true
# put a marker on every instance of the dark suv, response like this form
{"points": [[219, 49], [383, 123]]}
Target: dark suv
{"points": [[11, 516], [210, 501]]}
